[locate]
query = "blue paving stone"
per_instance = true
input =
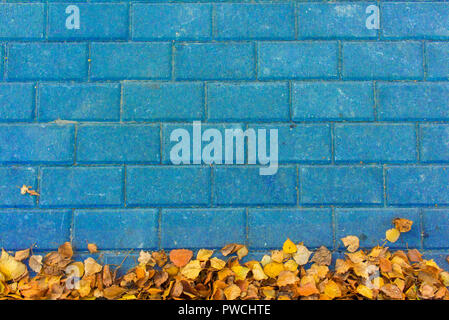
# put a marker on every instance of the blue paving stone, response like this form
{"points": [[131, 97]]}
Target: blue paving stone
{"points": [[79, 102], [375, 143], [16, 102], [332, 101], [369, 225], [163, 101], [435, 226], [437, 60], [97, 21], [269, 228], [171, 21], [39, 229], [248, 102], [37, 143], [189, 228], [434, 143], [167, 185], [238, 21], [382, 60], [348, 185], [297, 60], [118, 144], [116, 229], [11, 180], [81, 187], [22, 21]]}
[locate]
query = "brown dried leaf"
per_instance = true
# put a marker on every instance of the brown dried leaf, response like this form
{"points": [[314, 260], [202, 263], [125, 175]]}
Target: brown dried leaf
{"points": [[180, 257], [92, 247], [322, 256], [351, 243], [403, 225]]}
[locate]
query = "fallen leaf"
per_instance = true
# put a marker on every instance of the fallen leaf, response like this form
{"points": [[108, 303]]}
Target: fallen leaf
{"points": [[11, 268], [232, 292], [302, 255], [191, 270], [392, 235], [351, 243], [365, 291], [258, 273], [92, 248], [204, 255], [308, 289], [35, 263], [322, 256], [242, 252], [403, 225], [332, 290], [91, 266], [145, 258], [22, 255], [217, 263], [286, 277], [180, 257], [289, 247], [66, 250], [273, 269]]}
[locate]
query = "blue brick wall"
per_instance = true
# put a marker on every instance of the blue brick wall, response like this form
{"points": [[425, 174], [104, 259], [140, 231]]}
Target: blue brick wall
{"points": [[86, 114]]}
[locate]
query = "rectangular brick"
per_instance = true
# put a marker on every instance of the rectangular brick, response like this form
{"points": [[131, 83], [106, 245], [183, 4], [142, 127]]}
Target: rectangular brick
{"points": [[297, 60], [2, 59], [21, 21], [413, 101], [163, 101], [127, 61], [167, 185], [334, 21], [39, 229], [332, 101], [81, 187], [116, 229], [243, 185], [382, 60], [435, 226], [347, 185], [214, 61], [413, 20], [239, 21], [381, 143], [434, 145], [37, 143], [302, 143], [118, 143], [369, 226], [437, 59], [47, 61], [97, 22], [11, 180], [171, 21], [218, 226], [417, 185], [16, 102], [268, 228], [79, 102], [167, 144], [248, 102]]}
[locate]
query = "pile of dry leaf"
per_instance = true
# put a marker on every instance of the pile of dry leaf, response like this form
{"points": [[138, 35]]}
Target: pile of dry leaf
{"points": [[375, 274]]}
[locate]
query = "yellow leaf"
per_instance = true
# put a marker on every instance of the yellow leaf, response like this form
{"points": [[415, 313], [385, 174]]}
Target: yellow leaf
{"points": [[204, 255], [240, 272], [242, 252], [332, 290], [392, 235], [191, 270], [285, 278], [91, 266], [291, 265], [258, 273], [351, 243], [273, 269], [365, 291], [92, 247], [10, 267], [289, 246], [232, 292], [277, 256], [266, 259], [217, 264]]}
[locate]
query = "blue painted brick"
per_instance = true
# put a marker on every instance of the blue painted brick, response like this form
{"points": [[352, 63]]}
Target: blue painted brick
{"points": [[415, 20], [97, 21], [439, 256], [79, 102], [118, 143], [348, 185], [11, 180], [248, 102], [189, 228], [214, 61], [238, 21], [332, 101], [163, 101], [39, 229], [437, 60], [382, 60], [301, 143], [16, 102], [417, 185], [171, 21], [369, 226], [435, 226], [116, 229], [269, 228], [434, 142], [47, 61], [375, 143], [239, 185], [168, 128], [413, 101], [2, 59], [37, 143], [297, 60], [81, 187], [167, 185], [21, 21], [127, 61], [334, 21]]}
